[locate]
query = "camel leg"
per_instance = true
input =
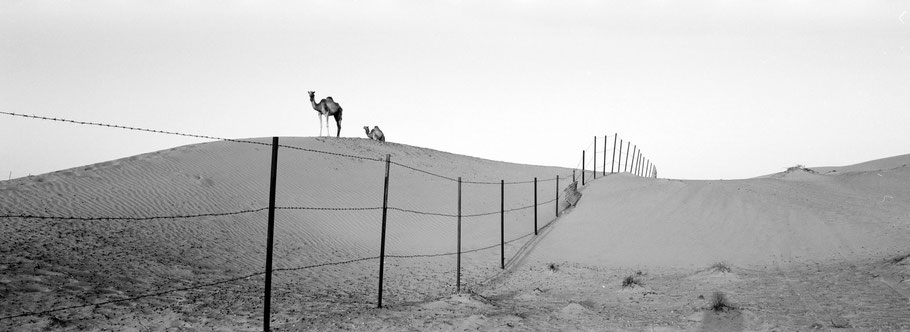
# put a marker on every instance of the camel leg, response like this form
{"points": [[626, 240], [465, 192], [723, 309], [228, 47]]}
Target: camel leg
{"points": [[337, 123], [320, 124], [328, 131]]}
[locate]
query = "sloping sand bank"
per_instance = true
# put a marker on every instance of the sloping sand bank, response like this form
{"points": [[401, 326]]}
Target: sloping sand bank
{"points": [[328, 214]]}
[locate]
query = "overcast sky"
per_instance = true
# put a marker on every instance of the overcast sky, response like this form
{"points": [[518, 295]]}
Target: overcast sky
{"points": [[707, 89]]}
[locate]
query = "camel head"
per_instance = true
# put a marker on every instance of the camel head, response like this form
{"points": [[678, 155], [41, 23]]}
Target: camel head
{"points": [[312, 94]]}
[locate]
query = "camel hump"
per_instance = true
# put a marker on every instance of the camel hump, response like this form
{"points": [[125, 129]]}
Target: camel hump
{"points": [[330, 99]]}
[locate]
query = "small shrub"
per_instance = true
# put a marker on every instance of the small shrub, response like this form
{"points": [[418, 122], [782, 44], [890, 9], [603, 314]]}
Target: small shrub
{"points": [[721, 267], [553, 267], [630, 282], [719, 303]]}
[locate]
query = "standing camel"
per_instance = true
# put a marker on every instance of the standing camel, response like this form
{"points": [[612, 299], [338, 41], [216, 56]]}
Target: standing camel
{"points": [[326, 106]]}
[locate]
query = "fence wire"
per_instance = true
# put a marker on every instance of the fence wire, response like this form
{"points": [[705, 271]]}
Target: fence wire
{"points": [[187, 216], [215, 138], [408, 210]]}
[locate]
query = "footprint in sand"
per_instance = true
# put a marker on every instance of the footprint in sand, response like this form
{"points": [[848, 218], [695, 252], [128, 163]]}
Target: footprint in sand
{"points": [[203, 181]]}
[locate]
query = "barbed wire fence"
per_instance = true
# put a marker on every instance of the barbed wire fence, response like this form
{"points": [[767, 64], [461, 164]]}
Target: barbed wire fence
{"points": [[483, 220]]}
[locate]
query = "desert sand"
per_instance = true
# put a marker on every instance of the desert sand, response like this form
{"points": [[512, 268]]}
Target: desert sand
{"points": [[808, 248]]}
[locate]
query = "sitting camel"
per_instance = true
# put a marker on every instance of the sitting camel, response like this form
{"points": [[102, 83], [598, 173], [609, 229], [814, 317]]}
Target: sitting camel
{"points": [[326, 106], [375, 134]]}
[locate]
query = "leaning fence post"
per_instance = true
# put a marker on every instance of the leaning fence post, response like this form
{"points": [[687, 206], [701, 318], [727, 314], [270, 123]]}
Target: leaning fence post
{"points": [[458, 264], [502, 223], [267, 301], [385, 206], [535, 206], [625, 167]]}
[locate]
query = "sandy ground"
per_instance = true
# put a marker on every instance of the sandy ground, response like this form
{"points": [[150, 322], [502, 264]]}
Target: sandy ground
{"points": [[808, 249]]}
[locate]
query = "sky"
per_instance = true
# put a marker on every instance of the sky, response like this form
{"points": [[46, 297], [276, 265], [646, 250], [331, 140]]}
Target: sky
{"points": [[706, 89]]}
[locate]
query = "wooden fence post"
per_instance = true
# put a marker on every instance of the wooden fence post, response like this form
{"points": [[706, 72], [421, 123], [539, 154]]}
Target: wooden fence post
{"points": [[557, 195], [582, 167], [385, 206], [267, 301], [594, 169]]}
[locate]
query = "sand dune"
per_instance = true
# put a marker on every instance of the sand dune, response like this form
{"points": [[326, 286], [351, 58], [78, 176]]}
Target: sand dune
{"points": [[775, 231], [792, 216], [50, 263]]}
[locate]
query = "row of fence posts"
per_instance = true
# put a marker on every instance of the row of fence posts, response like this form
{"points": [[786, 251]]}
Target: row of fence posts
{"points": [[385, 200], [641, 166], [637, 169], [502, 229]]}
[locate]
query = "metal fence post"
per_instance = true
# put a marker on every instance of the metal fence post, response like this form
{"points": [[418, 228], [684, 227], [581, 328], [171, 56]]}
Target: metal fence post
{"points": [[625, 167], [604, 173], [458, 264], [267, 301], [502, 223], [638, 164], [385, 205], [557, 195], [614, 153], [535, 206], [594, 169]]}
